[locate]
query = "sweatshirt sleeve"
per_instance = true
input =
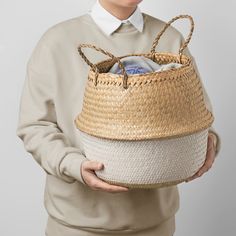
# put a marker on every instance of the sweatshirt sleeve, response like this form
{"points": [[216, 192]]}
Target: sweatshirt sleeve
{"points": [[212, 130], [37, 120]]}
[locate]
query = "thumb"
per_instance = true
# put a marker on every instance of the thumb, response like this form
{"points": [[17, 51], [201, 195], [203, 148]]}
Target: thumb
{"points": [[210, 143], [95, 165]]}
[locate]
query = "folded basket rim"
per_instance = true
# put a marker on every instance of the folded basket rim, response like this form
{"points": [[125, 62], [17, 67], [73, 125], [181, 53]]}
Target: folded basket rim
{"points": [[132, 77]]}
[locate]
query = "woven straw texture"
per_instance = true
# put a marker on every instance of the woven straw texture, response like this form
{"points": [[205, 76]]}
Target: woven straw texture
{"points": [[143, 106], [147, 163]]}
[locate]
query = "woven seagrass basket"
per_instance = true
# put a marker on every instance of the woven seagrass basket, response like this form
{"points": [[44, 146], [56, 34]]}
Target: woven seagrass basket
{"points": [[149, 130]]}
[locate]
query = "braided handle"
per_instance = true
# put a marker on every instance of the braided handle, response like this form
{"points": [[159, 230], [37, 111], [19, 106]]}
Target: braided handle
{"points": [[95, 69], [155, 42]]}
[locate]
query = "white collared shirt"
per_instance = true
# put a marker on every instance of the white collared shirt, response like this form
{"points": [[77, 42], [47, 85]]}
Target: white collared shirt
{"points": [[109, 23]]}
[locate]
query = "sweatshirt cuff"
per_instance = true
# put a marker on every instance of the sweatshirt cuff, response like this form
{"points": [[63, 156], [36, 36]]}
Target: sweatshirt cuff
{"points": [[70, 167]]}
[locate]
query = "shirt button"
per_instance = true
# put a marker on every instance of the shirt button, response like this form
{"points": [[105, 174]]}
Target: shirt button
{"points": [[125, 21]]}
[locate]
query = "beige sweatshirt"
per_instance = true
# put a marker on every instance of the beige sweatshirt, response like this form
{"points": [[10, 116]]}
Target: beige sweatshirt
{"points": [[51, 98]]}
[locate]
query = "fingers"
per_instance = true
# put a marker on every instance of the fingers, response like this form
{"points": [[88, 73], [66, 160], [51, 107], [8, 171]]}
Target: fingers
{"points": [[192, 177], [210, 158], [96, 183]]}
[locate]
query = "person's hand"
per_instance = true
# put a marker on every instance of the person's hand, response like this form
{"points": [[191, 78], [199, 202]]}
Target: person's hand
{"points": [[210, 158], [91, 179]]}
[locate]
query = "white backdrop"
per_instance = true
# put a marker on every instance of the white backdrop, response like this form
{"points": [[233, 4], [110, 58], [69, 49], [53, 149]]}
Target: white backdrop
{"points": [[207, 204]]}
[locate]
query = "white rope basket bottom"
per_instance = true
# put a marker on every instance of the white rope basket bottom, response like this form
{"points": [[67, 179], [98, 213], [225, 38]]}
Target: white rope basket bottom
{"points": [[147, 163]]}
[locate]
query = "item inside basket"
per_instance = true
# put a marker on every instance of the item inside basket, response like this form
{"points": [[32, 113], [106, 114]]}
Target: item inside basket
{"points": [[141, 65]]}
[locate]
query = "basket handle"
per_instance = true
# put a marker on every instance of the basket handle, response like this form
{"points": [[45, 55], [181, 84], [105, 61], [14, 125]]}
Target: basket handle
{"points": [[95, 68], [185, 44]]}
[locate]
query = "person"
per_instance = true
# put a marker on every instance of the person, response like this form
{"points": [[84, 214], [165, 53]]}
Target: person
{"points": [[78, 203]]}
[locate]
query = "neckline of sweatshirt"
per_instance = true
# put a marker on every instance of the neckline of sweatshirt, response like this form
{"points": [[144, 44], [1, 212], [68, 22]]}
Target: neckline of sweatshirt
{"points": [[123, 30]]}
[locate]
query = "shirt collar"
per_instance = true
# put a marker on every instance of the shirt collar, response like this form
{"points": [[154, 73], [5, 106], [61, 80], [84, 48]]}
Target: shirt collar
{"points": [[109, 23]]}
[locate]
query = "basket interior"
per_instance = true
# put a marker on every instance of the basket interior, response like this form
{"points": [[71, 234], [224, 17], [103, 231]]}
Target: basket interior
{"points": [[160, 58]]}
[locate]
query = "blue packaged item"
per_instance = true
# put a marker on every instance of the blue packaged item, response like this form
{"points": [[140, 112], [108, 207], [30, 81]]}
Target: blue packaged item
{"points": [[140, 65]]}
